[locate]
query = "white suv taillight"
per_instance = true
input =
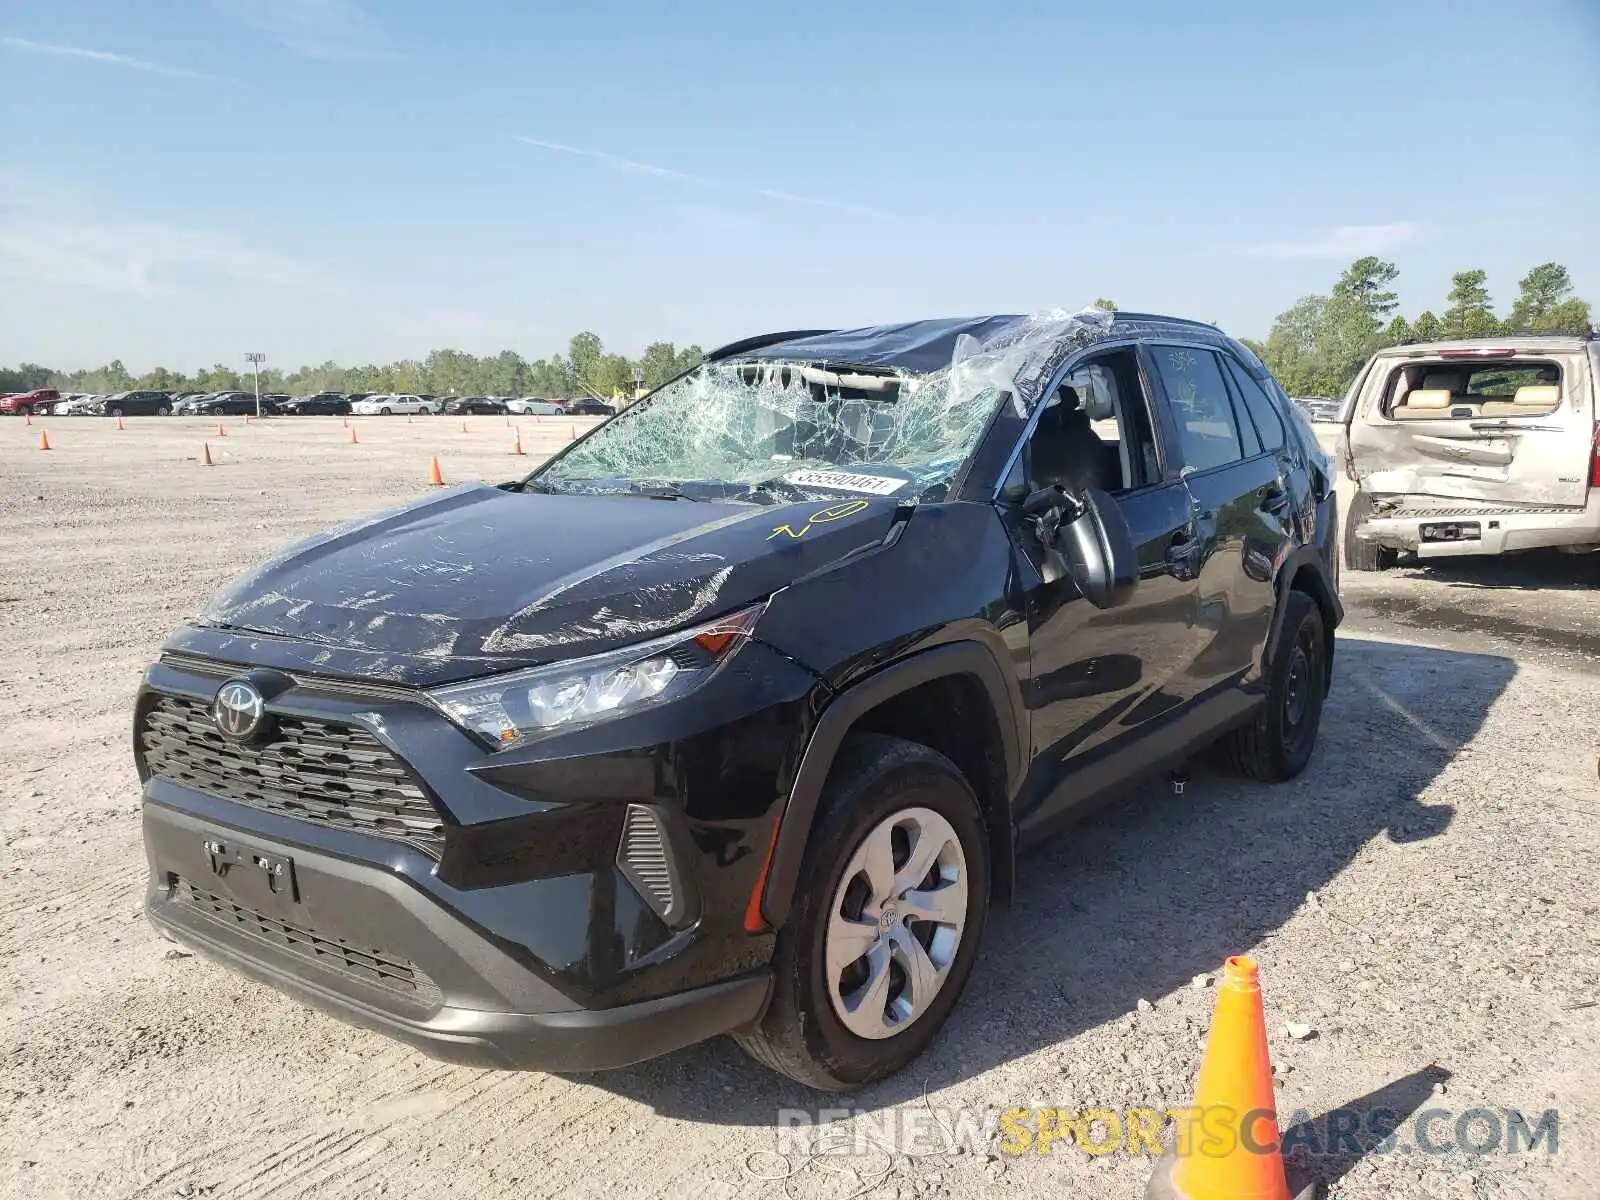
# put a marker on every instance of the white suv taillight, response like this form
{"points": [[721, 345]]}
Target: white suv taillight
{"points": [[1594, 461]]}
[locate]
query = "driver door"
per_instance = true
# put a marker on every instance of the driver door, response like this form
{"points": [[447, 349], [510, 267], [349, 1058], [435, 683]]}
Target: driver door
{"points": [[1097, 676]]}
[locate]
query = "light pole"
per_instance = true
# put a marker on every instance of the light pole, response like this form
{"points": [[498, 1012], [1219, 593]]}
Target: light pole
{"points": [[255, 359]]}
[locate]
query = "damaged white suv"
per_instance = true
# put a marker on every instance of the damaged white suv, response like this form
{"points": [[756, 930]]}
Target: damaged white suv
{"points": [[1473, 447]]}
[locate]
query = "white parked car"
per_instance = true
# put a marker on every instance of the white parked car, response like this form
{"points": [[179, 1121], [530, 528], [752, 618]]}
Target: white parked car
{"points": [[78, 406], [397, 402], [535, 406]]}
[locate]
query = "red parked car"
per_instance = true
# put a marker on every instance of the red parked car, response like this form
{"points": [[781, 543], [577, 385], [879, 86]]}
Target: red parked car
{"points": [[25, 404]]}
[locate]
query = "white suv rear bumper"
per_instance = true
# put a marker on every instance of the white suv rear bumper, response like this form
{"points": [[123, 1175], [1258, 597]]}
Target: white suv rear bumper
{"points": [[1499, 531]]}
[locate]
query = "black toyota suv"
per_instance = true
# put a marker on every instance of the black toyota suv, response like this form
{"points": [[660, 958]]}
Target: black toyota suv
{"points": [[734, 715]]}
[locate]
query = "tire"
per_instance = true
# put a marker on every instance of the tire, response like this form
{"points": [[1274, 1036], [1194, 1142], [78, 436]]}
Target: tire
{"points": [[1277, 744], [163, 411], [1360, 555], [384, 412], [876, 783], [115, 412]]}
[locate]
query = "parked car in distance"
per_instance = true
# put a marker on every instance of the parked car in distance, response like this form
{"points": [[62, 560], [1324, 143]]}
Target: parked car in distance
{"points": [[353, 397], [589, 406], [77, 406], [232, 404], [476, 405], [25, 404], [596, 777], [396, 402], [1321, 409], [534, 406], [318, 404], [1484, 446], [139, 403]]}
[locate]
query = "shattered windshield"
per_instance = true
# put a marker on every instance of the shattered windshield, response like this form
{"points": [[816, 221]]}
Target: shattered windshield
{"points": [[774, 429], [782, 425]]}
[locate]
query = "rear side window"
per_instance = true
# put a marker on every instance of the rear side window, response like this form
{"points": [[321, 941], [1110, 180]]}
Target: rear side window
{"points": [[1208, 433], [1263, 412]]}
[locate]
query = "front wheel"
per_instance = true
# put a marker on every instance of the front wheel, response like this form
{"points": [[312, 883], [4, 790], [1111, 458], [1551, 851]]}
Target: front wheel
{"points": [[163, 411], [880, 942], [384, 412], [1277, 744]]}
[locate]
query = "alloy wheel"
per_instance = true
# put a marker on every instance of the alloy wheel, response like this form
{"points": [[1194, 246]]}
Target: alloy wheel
{"points": [[896, 923]]}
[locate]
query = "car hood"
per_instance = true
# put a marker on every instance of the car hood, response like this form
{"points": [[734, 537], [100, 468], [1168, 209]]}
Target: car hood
{"points": [[480, 579]]}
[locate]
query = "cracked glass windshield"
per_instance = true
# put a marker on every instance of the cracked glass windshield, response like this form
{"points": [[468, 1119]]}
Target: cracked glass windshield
{"points": [[770, 431]]}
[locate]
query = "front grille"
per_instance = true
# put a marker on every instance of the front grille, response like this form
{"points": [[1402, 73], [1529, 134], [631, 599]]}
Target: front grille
{"points": [[317, 771], [377, 968]]}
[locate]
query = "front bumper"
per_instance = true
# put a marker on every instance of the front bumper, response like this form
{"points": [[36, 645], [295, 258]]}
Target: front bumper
{"points": [[323, 942], [1500, 529]]}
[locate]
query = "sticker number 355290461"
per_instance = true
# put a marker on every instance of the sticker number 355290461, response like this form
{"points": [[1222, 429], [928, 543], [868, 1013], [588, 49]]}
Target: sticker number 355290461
{"points": [[878, 485]]}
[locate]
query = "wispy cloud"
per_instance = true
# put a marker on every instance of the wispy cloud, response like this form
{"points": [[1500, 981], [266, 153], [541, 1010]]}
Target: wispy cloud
{"points": [[641, 168], [57, 240], [1344, 241], [104, 56], [329, 29]]}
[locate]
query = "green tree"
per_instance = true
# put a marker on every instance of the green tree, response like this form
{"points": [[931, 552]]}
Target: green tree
{"points": [[1397, 331], [1292, 345], [1469, 305], [1428, 328], [1108, 305], [1545, 303], [1366, 282]]}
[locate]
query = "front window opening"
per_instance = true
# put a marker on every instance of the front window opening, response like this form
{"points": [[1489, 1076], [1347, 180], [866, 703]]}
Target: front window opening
{"points": [[738, 427]]}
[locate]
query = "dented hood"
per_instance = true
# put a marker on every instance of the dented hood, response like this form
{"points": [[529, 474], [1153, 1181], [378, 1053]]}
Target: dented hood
{"points": [[479, 579]]}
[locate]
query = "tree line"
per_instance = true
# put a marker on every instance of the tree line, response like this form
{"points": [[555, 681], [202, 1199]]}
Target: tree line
{"points": [[1315, 347], [585, 370]]}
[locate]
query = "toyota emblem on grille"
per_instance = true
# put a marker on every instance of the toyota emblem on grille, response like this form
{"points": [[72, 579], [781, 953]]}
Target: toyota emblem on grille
{"points": [[238, 710]]}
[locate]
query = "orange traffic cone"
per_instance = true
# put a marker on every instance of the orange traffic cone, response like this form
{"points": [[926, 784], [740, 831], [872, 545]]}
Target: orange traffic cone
{"points": [[463, 427], [119, 423], [44, 440], [352, 429], [205, 454], [27, 417], [247, 418], [574, 436], [345, 421], [516, 446], [221, 432], [1235, 1076], [435, 476]]}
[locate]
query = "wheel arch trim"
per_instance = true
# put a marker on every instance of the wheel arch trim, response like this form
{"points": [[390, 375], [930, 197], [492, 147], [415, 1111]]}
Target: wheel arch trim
{"points": [[793, 830], [1323, 591]]}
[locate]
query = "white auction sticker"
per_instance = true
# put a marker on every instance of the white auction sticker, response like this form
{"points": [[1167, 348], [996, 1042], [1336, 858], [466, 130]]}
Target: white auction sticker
{"points": [[878, 485]]}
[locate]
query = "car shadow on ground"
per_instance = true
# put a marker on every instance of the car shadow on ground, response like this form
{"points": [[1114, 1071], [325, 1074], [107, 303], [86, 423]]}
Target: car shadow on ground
{"points": [[1157, 889], [1536, 570]]}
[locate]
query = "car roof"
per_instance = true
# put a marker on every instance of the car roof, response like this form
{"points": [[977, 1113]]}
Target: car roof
{"points": [[920, 347]]}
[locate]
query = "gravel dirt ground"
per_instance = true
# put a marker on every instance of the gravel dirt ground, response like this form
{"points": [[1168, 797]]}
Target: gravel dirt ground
{"points": [[1422, 898]]}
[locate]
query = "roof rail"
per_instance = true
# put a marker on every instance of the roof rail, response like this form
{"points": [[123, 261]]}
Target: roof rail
{"points": [[1118, 314], [761, 340]]}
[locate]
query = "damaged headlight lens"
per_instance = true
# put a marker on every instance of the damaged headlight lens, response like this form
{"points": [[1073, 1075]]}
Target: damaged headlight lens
{"points": [[507, 710]]}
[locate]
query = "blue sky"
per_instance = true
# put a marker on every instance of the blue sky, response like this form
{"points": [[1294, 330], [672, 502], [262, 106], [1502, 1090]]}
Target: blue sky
{"points": [[362, 181]]}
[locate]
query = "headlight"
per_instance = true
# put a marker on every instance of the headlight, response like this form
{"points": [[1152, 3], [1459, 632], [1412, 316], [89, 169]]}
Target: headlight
{"points": [[508, 710]]}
